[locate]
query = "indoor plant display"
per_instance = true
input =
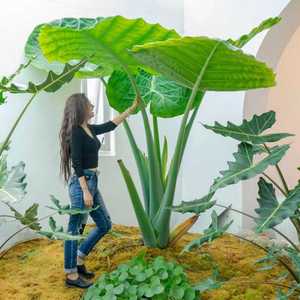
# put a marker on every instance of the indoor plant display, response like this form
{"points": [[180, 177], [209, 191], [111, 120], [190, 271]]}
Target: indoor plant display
{"points": [[134, 57]]}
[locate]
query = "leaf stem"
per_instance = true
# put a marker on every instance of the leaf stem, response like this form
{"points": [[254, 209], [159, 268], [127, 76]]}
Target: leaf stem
{"points": [[275, 183], [253, 218], [290, 270]]}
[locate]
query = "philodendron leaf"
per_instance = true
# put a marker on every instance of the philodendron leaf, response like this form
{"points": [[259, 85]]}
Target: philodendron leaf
{"points": [[29, 218], [270, 211], [184, 59], [66, 209], [57, 233], [250, 131], [244, 167], [167, 98], [244, 39], [109, 40], [51, 84], [211, 233], [33, 50], [196, 206], [12, 182]]}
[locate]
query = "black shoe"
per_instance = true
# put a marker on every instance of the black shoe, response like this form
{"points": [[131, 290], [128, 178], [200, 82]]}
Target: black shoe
{"points": [[79, 282], [81, 269]]}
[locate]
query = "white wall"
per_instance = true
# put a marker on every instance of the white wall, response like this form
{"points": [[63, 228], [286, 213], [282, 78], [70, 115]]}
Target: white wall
{"points": [[35, 141]]}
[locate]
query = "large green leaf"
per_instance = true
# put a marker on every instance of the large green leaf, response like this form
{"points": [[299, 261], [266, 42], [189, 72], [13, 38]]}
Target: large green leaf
{"points": [[214, 231], [51, 84], [196, 206], [244, 168], [167, 98], [12, 181], [270, 211], [182, 60], [250, 131], [29, 218], [33, 50], [245, 38], [109, 40]]}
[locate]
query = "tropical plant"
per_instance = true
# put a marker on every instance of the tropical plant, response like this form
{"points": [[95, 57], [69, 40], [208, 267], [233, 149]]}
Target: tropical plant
{"points": [[254, 156], [149, 279], [168, 72]]}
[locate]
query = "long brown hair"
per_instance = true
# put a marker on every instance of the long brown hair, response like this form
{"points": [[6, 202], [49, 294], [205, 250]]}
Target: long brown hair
{"points": [[74, 115]]}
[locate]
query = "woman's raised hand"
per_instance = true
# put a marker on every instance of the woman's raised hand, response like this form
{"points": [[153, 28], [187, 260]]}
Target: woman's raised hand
{"points": [[135, 104]]}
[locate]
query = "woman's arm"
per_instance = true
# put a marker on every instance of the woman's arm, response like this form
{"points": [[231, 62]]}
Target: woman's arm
{"points": [[122, 116], [112, 124]]}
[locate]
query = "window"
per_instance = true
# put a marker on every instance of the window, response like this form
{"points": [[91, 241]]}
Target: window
{"points": [[94, 89]]}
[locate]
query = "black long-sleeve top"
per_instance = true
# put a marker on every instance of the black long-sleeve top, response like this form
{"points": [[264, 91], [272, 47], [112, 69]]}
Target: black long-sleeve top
{"points": [[84, 149]]}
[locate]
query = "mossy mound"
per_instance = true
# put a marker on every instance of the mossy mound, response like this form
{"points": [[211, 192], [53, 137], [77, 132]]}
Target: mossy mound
{"points": [[34, 270]]}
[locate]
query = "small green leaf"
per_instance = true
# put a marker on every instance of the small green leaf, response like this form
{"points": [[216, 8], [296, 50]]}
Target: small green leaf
{"points": [[270, 211], [244, 168], [244, 39], [251, 131], [196, 206], [212, 232]]}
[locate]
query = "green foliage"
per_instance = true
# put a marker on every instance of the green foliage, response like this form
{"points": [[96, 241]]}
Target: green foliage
{"points": [[58, 233], [215, 281], [245, 38], [12, 181], [196, 206], [183, 59], [250, 131], [270, 211], [66, 209], [142, 217], [157, 279], [244, 166], [63, 44], [167, 98], [51, 84], [29, 218], [214, 231], [33, 51]]}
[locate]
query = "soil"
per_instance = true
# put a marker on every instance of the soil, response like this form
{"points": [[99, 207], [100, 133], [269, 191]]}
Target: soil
{"points": [[34, 270]]}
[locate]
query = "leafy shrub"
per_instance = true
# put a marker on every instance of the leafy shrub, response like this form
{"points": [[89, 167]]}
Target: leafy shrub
{"points": [[141, 279]]}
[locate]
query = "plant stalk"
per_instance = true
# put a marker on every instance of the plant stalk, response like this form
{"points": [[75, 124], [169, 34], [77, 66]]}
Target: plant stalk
{"points": [[162, 218]]}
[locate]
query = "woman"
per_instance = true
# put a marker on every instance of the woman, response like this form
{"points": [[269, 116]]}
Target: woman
{"points": [[79, 149]]}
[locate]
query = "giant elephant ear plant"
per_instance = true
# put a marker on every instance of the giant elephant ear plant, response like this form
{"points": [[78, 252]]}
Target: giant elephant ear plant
{"points": [[166, 71]]}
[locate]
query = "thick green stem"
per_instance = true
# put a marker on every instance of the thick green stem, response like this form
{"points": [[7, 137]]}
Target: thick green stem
{"points": [[155, 184], [143, 220], [6, 141], [162, 218], [157, 144], [141, 169]]}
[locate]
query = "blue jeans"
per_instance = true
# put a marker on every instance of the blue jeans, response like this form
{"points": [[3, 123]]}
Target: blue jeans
{"points": [[100, 216]]}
